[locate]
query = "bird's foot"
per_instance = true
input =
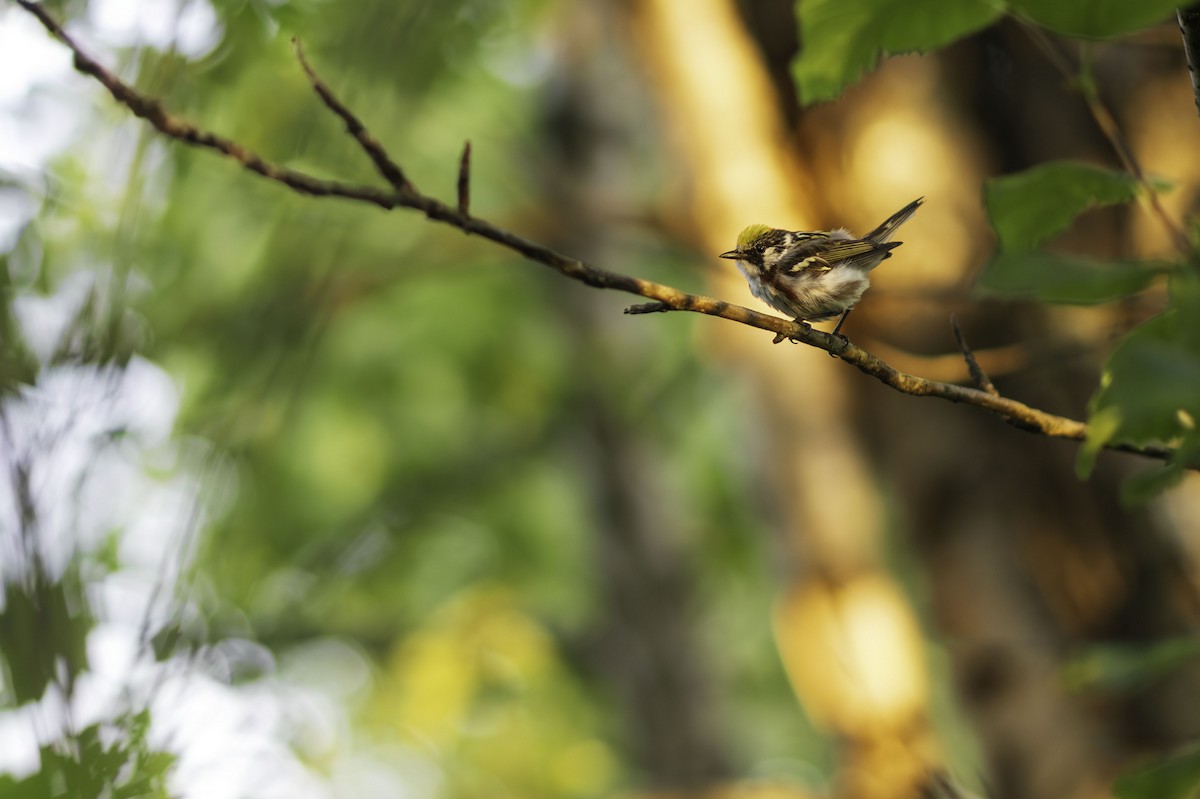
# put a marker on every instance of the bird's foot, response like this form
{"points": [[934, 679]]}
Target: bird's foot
{"points": [[780, 336], [845, 342]]}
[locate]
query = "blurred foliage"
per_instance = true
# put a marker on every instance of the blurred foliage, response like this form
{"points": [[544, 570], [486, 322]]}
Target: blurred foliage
{"points": [[16, 364], [110, 760], [412, 415], [482, 684], [1051, 277], [1094, 19], [1030, 206], [1149, 391], [1128, 667], [1174, 777], [842, 39], [55, 615]]}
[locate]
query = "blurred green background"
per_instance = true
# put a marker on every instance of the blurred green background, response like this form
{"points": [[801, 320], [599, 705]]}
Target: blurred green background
{"points": [[305, 498], [425, 448]]}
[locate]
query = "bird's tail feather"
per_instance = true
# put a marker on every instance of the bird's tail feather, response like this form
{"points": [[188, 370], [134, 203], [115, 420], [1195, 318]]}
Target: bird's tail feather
{"points": [[893, 222]]}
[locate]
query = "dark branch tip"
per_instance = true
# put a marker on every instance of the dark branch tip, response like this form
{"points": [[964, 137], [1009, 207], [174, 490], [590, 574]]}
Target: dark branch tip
{"points": [[648, 307], [978, 376], [464, 180]]}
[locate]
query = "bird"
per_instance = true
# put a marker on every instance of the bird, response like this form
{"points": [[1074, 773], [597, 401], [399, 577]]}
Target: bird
{"points": [[815, 275]]}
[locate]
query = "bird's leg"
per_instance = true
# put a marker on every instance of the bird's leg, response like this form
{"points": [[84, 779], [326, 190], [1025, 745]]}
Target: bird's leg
{"points": [[838, 326]]}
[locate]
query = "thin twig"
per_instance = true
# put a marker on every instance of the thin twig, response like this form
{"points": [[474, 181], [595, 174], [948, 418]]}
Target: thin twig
{"points": [[665, 297], [978, 376], [1111, 131], [464, 180], [390, 170], [152, 111], [1189, 28]]}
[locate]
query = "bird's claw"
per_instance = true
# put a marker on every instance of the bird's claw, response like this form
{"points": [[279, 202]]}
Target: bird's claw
{"points": [[781, 336], [845, 342]]}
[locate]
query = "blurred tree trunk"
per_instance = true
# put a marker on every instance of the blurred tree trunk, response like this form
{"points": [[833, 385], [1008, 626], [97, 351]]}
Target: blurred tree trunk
{"points": [[645, 649], [845, 632]]}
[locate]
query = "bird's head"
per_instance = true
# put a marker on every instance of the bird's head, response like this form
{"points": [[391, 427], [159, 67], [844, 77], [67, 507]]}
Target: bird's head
{"points": [[752, 242]]}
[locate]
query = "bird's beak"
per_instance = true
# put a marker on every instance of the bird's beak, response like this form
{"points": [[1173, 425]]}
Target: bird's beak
{"points": [[732, 255]]}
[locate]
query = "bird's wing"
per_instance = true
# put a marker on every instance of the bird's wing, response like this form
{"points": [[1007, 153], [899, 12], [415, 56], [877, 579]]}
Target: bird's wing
{"points": [[826, 253]]}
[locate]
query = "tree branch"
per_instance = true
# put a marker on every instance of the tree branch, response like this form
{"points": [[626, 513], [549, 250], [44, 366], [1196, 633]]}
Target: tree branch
{"points": [[978, 376], [402, 194], [391, 171]]}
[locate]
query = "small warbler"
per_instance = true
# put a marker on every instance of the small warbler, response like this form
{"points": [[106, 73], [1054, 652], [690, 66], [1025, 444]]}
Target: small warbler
{"points": [[814, 276]]}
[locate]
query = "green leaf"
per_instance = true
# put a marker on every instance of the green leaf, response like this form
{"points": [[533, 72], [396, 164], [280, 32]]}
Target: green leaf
{"points": [[1153, 382], [842, 39], [1176, 776], [1128, 667], [1148, 484], [1066, 279], [1150, 392], [1102, 428], [17, 364], [1094, 19], [38, 785], [43, 627], [1028, 207]]}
